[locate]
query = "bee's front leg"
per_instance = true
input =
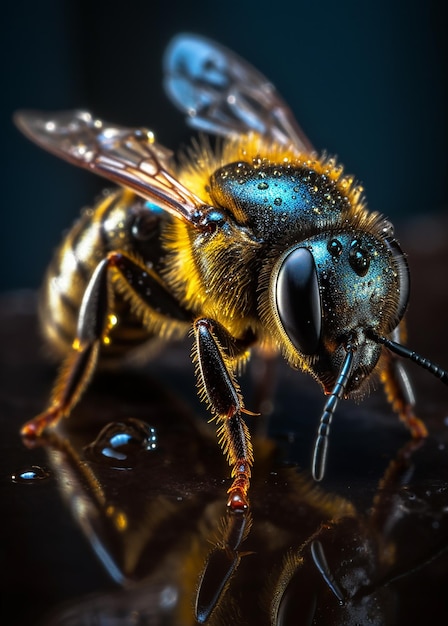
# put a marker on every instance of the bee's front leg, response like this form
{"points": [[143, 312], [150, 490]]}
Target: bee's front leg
{"points": [[218, 384]]}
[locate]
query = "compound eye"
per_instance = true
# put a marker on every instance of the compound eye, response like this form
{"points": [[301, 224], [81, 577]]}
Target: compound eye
{"points": [[298, 300]]}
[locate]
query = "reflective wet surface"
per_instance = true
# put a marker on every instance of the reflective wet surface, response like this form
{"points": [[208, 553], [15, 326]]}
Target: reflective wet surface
{"points": [[119, 516]]}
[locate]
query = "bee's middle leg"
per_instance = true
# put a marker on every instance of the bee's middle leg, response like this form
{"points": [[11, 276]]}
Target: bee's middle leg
{"points": [[225, 400]]}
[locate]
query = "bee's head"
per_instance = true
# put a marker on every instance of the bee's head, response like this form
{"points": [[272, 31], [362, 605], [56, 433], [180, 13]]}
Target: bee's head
{"points": [[336, 297], [333, 295], [330, 292]]}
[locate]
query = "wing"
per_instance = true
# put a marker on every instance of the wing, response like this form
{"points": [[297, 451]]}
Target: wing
{"points": [[224, 95], [127, 156]]}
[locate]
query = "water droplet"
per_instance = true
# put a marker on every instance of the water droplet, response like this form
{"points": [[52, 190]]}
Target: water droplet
{"points": [[122, 444], [278, 201], [30, 476], [262, 185], [337, 171], [168, 597]]}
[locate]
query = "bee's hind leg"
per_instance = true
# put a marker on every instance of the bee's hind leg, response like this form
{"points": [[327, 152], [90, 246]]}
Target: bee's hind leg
{"points": [[143, 288], [219, 387], [78, 366]]}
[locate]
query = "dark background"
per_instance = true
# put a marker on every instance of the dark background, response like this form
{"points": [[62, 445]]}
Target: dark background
{"points": [[367, 82]]}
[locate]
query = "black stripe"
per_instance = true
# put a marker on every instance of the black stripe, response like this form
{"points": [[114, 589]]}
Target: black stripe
{"points": [[111, 204], [84, 270], [70, 304], [61, 332]]}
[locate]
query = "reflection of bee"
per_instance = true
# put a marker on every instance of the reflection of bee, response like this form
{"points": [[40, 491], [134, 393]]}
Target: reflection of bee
{"points": [[259, 242]]}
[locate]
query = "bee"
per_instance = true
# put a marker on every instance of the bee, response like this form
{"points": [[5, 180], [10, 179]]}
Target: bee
{"points": [[257, 242]]}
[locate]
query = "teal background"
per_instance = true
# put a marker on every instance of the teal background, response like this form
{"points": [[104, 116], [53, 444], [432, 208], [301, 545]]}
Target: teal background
{"points": [[367, 81]]}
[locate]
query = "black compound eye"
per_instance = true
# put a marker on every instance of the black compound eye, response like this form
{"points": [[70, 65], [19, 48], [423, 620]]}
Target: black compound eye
{"points": [[298, 300], [359, 258]]}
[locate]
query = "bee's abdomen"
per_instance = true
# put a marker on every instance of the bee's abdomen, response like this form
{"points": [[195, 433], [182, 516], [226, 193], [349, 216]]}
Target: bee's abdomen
{"points": [[98, 231]]}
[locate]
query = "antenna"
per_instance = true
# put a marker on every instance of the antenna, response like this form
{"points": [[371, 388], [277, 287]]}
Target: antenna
{"points": [[406, 353], [321, 443]]}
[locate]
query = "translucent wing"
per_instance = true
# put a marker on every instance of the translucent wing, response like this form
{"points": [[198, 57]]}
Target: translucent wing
{"points": [[127, 156], [224, 95]]}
